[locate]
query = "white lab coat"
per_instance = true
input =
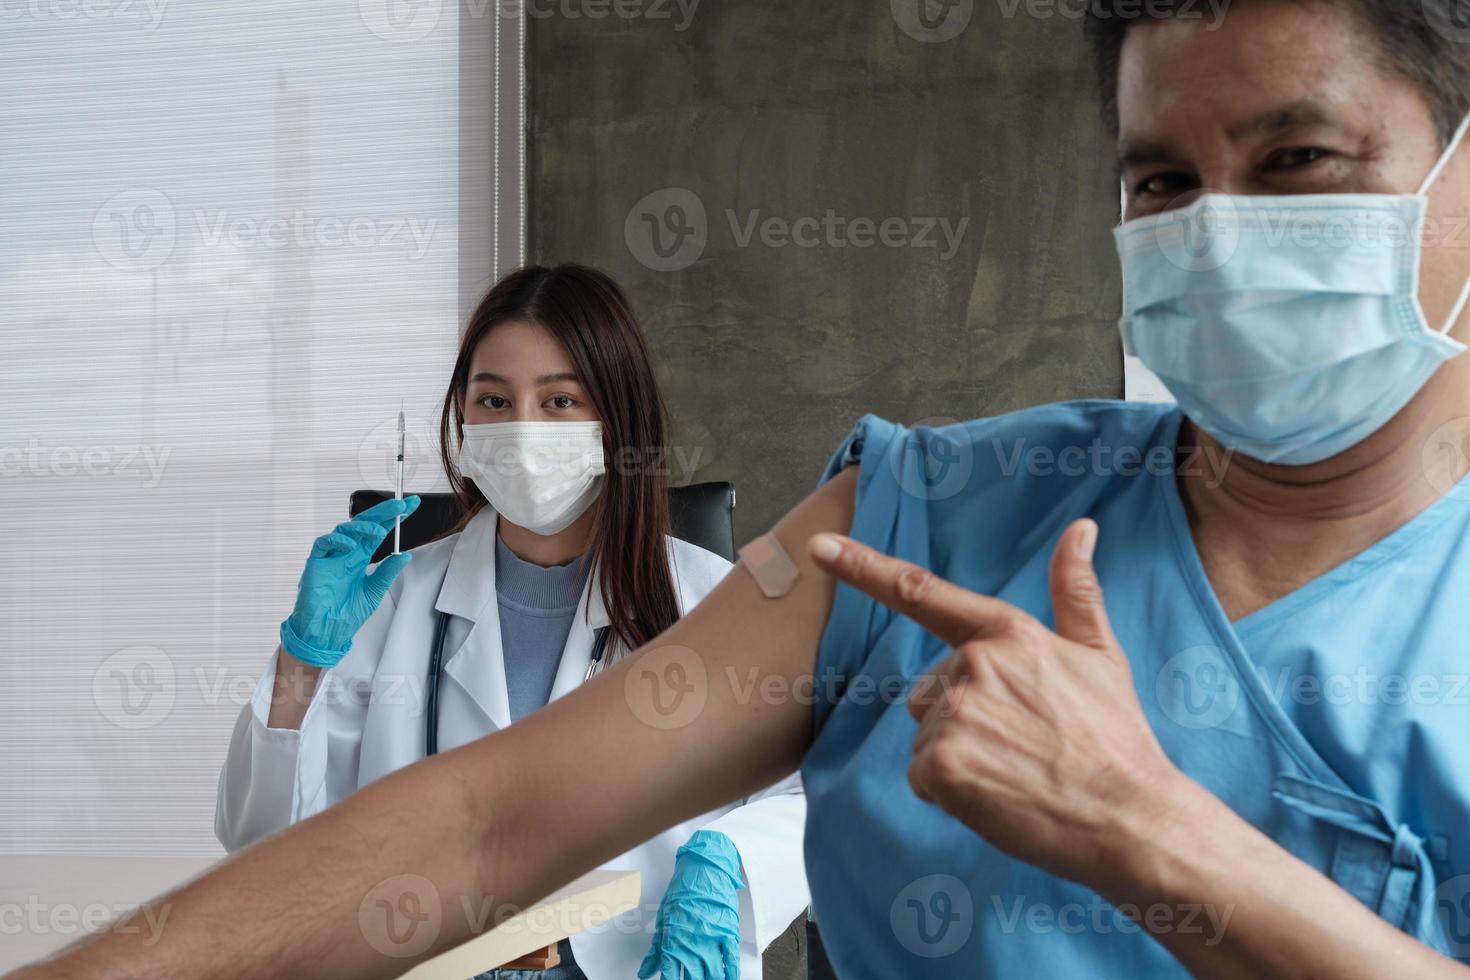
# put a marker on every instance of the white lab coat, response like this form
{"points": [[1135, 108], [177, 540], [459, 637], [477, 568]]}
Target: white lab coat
{"points": [[367, 719]]}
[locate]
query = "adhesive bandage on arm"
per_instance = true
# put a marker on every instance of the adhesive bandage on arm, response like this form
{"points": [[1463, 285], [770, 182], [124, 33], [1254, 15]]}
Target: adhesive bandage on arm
{"points": [[770, 566]]}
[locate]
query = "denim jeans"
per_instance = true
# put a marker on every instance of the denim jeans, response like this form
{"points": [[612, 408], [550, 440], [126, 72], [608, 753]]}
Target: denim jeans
{"points": [[567, 969]]}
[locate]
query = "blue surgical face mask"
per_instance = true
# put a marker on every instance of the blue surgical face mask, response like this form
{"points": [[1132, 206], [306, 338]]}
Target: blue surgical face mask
{"points": [[1287, 327]]}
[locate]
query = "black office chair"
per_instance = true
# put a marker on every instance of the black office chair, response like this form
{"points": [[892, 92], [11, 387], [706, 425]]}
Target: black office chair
{"points": [[701, 514]]}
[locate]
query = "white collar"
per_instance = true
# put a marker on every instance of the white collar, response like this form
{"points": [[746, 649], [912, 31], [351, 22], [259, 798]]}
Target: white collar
{"points": [[469, 582]]}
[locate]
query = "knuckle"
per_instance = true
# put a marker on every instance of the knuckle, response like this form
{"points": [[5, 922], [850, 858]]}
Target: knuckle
{"points": [[913, 584], [857, 562], [1024, 630], [972, 657], [946, 762], [1084, 589]]}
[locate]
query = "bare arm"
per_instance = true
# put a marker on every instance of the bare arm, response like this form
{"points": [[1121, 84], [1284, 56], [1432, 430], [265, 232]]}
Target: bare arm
{"points": [[294, 686], [505, 820], [1276, 915]]}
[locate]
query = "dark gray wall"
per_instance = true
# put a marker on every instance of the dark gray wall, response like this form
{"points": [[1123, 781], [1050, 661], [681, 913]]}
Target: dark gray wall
{"points": [[768, 354]]}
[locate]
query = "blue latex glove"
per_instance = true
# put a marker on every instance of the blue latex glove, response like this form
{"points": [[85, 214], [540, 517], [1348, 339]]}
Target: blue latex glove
{"points": [[336, 595], [698, 927]]}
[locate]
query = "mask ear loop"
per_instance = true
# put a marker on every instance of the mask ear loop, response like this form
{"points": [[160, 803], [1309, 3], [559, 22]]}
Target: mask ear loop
{"points": [[1454, 316], [1445, 157], [1435, 171]]}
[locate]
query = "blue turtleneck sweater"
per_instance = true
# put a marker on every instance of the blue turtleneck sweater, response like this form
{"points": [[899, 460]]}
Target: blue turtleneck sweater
{"points": [[536, 604]]}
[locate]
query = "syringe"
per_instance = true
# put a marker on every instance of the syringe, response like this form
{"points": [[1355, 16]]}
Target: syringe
{"points": [[398, 493]]}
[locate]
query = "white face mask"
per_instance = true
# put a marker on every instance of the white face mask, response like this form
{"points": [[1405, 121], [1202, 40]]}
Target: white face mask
{"points": [[541, 476]]}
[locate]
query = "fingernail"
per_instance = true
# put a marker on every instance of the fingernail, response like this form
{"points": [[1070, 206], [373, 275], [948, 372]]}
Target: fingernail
{"points": [[824, 546], [1087, 541]]}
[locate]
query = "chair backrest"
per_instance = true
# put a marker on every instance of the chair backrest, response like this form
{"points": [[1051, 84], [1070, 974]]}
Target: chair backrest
{"points": [[700, 514]]}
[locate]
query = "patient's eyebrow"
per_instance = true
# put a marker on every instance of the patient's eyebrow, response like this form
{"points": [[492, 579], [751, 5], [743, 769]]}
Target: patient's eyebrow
{"points": [[1300, 114], [1138, 153]]}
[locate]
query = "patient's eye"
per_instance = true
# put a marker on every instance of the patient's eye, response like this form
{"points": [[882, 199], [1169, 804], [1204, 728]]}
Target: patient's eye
{"points": [[1165, 185], [1294, 157]]}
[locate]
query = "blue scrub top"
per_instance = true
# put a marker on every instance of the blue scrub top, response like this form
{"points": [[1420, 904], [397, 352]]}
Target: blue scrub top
{"points": [[1337, 719]]}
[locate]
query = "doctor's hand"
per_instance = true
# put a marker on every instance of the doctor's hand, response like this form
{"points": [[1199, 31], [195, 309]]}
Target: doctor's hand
{"points": [[336, 595], [698, 932], [1034, 739]]}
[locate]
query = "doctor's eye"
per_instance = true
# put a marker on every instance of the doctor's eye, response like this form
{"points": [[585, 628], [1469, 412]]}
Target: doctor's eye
{"points": [[494, 401], [562, 401]]}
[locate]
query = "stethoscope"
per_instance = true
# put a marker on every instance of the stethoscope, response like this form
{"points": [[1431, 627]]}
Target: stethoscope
{"points": [[436, 657]]}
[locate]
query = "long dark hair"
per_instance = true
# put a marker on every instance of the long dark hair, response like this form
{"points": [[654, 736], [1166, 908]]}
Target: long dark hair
{"points": [[590, 317]]}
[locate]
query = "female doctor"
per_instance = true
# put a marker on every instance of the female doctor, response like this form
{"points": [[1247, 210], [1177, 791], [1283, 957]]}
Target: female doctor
{"points": [[564, 560]]}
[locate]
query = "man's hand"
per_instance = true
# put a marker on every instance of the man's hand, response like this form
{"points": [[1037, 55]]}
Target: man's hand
{"points": [[1034, 739]]}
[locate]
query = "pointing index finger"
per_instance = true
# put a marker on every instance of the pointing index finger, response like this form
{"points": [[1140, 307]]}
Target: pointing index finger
{"points": [[952, 613]]}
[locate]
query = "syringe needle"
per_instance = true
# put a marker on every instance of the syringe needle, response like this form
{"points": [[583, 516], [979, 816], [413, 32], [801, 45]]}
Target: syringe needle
{"points": [[398, 492]]}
